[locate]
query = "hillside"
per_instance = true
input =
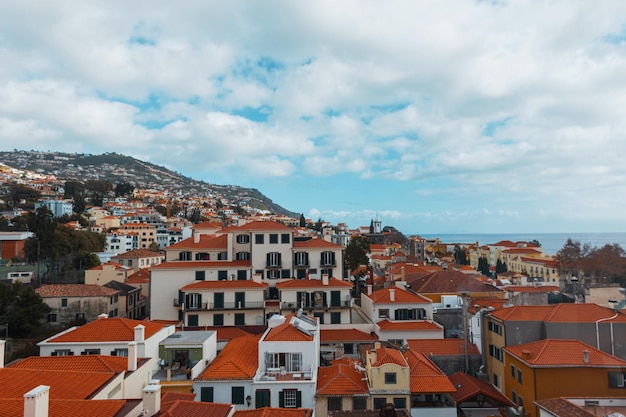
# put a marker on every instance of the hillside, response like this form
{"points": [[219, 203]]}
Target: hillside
{"points": [[117, 168]]}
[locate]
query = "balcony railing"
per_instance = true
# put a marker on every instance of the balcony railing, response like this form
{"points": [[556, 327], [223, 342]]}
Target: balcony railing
{"points": [[231, 305], [293, 306]]}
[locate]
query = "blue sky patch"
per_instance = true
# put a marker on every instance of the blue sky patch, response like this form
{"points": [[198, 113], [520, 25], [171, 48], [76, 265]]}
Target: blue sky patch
{"points": [[491, 127], [256, 114], [615, 38], [391, 108]]}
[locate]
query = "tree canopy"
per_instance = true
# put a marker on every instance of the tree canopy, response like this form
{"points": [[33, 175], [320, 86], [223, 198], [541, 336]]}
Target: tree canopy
{"points": [[594, 263], [22, 308]]}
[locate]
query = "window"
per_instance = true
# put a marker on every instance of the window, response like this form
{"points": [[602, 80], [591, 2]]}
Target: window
{"points": [[273, 238], [616, 380], [273, 259], [514, 396], [218, 300], [222, 256], [513, 371], [285, 238], [335, 318], [379, 402], [291, 361], [90, 352], [218, 320], [222, 275], [203, 256], [206, 394], [192, 320], [520, 401], [290, 398], [399, 403], [335, 299], [383, 313], [237, 395], [63, 302], [274, 274], [259, 239], [301, 259], [390, 377], [200, 276], [193, 301], [243, 239], [359, 403], [494, 327], [285, 273], [62, 352], [242, 275], [52, 318], [334, 403], [119, 352], [495, 380], [262, 398], [519, 376], [240, 319], [242, 256], [327, 258], [348, 348]]}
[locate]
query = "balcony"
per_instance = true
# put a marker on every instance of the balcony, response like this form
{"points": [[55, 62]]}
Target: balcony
{"points": [[236, 305], [287, 305], [280, 374]]}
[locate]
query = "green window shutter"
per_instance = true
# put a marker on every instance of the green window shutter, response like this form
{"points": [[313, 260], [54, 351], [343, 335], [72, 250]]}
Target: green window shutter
{"points": [[206, 394], [298, 399], [281, 399], [237, 395]]}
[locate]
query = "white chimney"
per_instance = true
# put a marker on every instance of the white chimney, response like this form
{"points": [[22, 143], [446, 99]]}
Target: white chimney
{"points": [[2, 343], [132, 356], [36, 402], [369, 289], [586, 356], [196, 237], [324, 279], [402, 277], [257, 278], [140, 333], [392, 294], [151, 400]]}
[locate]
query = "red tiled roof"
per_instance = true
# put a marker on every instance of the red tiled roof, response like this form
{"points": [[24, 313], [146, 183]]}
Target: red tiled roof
{"points": [[140, 277], [75, 290], [522, 250], [447, 282], [100, 267], [287, 332], [201, 264], [442, 347], [553, 353], [227, 332], [235, 284], [275, 412], [15, 382], [559, 313], [529, 288], [204, 242], [83, 363], [425, 377], [182, 408], [315, 243], [262, 225], [563, 407], [137, 253], [66, 407], [468, 387], [386, 356], [388, 325], [341, 379], [383, 296], [312, 283], [346, 335], [238, 360], [107, 330]]}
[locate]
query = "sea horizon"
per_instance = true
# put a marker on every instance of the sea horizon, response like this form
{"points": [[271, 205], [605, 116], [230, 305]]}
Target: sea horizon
{"points": [[550, 242]]}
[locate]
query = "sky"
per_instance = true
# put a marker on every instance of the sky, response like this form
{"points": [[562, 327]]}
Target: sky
{"points": [[451, 116]]}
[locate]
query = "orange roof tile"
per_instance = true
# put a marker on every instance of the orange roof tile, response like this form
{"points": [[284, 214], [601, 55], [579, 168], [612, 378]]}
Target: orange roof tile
{"points": [[262, 225], [14, 407], [386, 356], [529, 288], [235, 284], [75, 290], [447, 282], [468, 387], [238, 360], [425, 376], [346, 335], [15, 382], [442, 347], [389, 325], [83, 363], [201, 264], [275, 412], [341, 379], [227, 332], [576, 313], [313, 283], [107, 330], [115, 265], [287, 332], [140, 277], [137, 253], [553, 353], [181, 408], [383, 296], [315, 243]]}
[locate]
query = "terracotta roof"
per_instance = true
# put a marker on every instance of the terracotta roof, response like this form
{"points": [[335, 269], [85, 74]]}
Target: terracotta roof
{"points": [[557, 353], [522, 250], [182, 408], [15, 382], [287, 332], [140, 277], [14, 407], [315, 243], [346, 335], [562, 407], [115, 265], [107, 330], [341, 379], [238, 360], [386, 356], [402, 296], [559, 313], [468, 387], [202, 264], [425, 376], [137, 253], [261, 225], [532, 288], [389, 325], [75, 290], [204, 242], [82, 363], [235, 284], [442, 347], [312, 283], [446, 282], [171, 396], [275, 412]]}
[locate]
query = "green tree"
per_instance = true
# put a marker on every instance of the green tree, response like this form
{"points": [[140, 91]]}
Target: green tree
{"points": [[123, 189], [18, 192], [460, 256], [535, 242], [355, 256], [43, 225], [79, 204], [22, 308], [73, 188], [84, 260], [500, 267], [302, 220], [483, 266]]}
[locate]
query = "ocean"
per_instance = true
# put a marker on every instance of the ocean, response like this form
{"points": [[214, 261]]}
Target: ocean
{"points": [[550, 242]]}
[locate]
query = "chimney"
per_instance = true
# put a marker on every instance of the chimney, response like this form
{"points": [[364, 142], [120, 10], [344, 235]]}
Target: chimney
{"points": [[36, 402], [196, 237], [402, 274], [324, 279], [132, 356], [257, 278], [140, 333], [2, 343], [586, 356], [103, 316], [392, 294], [527, 354], [151, 400], [369, 289]]}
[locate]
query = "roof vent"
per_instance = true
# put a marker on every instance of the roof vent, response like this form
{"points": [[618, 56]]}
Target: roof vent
{"points": [[527, 354], [586, 356]]}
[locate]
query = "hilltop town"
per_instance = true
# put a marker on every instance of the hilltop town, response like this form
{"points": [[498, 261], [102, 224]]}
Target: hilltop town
{"points": [[246, 311]]}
